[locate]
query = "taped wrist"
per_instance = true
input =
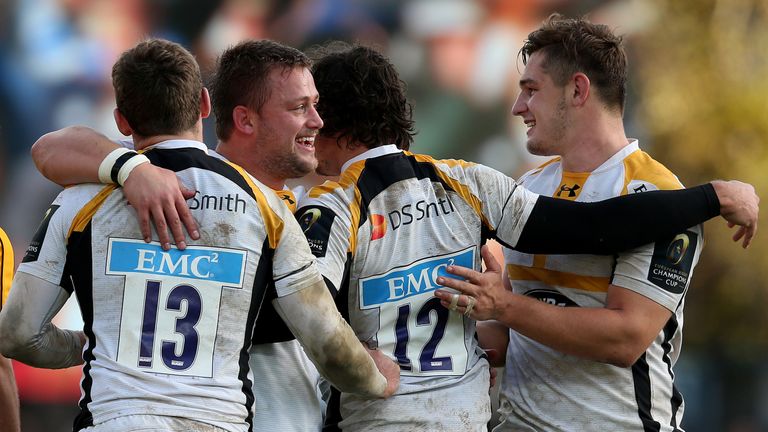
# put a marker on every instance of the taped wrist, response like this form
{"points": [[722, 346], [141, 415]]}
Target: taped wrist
{"points": [[117, 166]]}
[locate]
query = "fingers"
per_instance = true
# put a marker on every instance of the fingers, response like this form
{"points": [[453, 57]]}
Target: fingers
{"points": [[185, 214], [457, 284], [464, 272], [490, 261], [161, 227]]}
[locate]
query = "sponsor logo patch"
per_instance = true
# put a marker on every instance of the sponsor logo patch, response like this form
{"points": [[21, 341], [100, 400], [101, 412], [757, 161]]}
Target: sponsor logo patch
{"points": [[316, 222], [672, 261], [411, 280], [33, 250], [225, 266]]}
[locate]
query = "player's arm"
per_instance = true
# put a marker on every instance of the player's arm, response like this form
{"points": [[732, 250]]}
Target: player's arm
{"points": [[78, 154], [617, 333], [493, 338], [9, 398], [26, 331], [332, 345], [621, 223]]}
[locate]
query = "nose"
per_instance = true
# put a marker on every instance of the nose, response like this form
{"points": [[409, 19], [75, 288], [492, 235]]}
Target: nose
{"points": [[519, 107], [314, 121]]}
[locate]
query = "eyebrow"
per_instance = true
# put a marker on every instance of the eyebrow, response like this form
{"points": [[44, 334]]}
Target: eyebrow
{"points": [[526, 81]]}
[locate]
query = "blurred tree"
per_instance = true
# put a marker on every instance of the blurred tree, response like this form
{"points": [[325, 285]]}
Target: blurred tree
{"points": [[702, 98]]}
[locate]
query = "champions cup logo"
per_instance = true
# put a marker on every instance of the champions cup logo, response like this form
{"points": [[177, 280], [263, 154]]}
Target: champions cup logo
{"points": [[677, 248], [309, 218], [378, 226]]}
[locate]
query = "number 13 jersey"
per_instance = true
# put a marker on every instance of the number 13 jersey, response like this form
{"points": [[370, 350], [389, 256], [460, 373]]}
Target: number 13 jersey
{"points": [[169, 331]]}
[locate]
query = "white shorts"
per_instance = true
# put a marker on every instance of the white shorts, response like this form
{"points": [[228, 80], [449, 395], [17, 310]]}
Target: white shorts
{"points": [[462, 407], [152, 423]]}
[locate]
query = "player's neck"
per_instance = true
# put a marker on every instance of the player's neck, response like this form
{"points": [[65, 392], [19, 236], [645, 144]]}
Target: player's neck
{"points": [[589, 147]]}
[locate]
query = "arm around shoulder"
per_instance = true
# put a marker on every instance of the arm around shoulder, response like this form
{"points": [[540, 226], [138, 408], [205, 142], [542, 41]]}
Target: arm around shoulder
{"points": [[71, 155]]}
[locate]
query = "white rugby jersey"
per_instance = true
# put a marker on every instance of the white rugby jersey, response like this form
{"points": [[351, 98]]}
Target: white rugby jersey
{"points": [[382, 235], [543, 389], [169, 331], [285, 402]]}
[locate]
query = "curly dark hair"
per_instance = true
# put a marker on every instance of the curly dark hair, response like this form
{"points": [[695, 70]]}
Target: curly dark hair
{"points": [[362, 97], [242, 77], [157, 88], [576, 45]]}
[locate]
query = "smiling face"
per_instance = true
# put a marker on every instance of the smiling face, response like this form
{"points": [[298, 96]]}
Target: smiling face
{"points": [[542, 106], [288, 123]]}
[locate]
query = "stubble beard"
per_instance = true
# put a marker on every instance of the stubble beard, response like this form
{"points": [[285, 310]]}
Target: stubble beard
{"points": [[549, 146]]}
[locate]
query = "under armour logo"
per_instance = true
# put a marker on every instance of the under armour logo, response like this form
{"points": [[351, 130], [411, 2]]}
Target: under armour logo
{"points": [[287, 197], [571, 190], [640, 188]]}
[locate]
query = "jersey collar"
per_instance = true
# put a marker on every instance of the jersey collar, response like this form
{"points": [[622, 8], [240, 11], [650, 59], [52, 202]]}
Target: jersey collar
{"points": [[178, 144], [372, 153]]}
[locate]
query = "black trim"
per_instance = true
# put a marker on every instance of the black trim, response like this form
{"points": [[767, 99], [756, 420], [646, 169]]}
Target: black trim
{"points": [[677, 398], [382, 172], [78, 277], [642, 380], [262, 283], [180, 159], [333, 412]]}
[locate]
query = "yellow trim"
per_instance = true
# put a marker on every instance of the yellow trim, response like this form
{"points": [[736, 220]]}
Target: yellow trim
{"points": [[272, 222], [640, 166], [6, 266], [556, 278], [348, 178], [461, 189], [288, 198], [86, 213]]}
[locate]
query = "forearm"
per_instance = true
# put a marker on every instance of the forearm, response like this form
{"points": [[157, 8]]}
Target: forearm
{"points": [[26, 331], [329, 341], [9, 397], [597, 334], [610, 226], [71, 155], [493, 335]]}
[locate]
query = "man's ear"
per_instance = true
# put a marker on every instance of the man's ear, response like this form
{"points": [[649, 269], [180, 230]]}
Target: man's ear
{"points": [[244, 119], [122, 123], [581, 88], [205, 103]]}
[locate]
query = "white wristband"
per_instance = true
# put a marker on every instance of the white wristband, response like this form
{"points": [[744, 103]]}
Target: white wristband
{"points": [[105, 169], [129, 165]]}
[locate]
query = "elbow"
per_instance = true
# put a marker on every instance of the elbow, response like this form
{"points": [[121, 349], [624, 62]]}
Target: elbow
{"points": [[625, 355], [41, 152]]}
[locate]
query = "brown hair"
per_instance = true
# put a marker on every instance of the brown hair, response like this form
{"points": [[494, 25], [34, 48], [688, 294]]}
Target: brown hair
{"points": [[242, 77], [362, 97], [157, 88], [573, 45]]}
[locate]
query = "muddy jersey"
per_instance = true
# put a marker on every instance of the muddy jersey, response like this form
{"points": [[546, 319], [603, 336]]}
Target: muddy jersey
{"points": [[382, 235], [169, 331], [543, 389]]}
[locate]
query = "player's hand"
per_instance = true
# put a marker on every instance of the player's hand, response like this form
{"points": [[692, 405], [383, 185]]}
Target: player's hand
{"points": [[157, 194], [739, 205], [388, 368], [481, 294]]}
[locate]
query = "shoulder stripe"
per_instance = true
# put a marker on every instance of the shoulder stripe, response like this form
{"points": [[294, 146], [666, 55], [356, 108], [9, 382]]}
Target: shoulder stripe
{"points": [[84, 216], [451, 183], [641, 166], [556, 278], [6, 266], [272, 222]]}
